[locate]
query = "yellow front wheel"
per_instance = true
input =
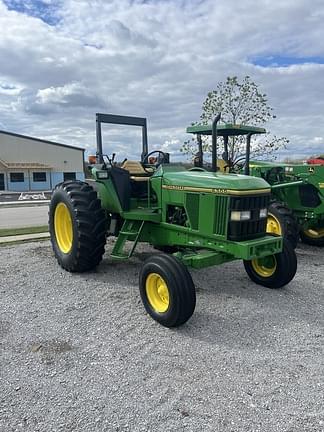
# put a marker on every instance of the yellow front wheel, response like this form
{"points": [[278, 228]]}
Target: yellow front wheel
{"points": [[157, 292], [265, 267], [167, 290], [273, 271]]}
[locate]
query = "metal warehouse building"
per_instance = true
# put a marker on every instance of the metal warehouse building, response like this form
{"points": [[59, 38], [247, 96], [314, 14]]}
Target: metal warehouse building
{"points": [[32, 164]]}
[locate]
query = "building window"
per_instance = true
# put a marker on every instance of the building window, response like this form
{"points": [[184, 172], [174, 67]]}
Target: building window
{"points": [[17, 177], [2, 182], [69, 176], [39, 176]]}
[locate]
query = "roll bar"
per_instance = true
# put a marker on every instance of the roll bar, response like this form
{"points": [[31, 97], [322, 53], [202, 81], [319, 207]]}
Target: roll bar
{"points": [[121, 120], [214, 142]]}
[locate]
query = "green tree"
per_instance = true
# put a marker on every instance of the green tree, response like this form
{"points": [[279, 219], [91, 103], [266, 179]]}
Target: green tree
{"points": [[239, 103]]}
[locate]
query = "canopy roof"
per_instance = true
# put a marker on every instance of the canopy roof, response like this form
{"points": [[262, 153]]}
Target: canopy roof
{"points": [[226, 129]]}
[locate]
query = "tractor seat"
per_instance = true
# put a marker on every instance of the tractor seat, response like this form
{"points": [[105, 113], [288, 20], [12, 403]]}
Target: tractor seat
{"points": [[222, 166], [136, 170]]}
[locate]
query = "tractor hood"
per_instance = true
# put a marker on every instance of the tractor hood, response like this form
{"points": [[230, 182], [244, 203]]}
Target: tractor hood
{"points": [[254, 163], [235, 184]]}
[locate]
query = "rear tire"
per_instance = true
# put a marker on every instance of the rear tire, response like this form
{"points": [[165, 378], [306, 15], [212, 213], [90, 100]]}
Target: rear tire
{"points": [[273, 271], [77, 226], [309, 236], [281, 221], [167, 290]]}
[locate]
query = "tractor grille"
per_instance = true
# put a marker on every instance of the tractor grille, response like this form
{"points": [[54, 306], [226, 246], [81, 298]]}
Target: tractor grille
{"points": [[253, 228], [221, 203], [192, 207]]}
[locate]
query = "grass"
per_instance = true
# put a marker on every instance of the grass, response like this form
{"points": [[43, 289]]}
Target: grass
{"points": [[19, 231]]}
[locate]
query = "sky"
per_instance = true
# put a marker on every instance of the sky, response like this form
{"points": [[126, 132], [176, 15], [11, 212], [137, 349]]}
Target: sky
{"points": [[62, 61]]}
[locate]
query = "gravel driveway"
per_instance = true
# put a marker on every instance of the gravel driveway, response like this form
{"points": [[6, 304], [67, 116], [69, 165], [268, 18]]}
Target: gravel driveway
{"points": [[78, 352]]}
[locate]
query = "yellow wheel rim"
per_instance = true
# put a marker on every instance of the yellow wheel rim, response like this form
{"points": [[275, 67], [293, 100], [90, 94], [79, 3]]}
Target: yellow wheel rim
{"points": [[63, 227], [265, 267], [314, 233], [273, 225], [157, 292]]}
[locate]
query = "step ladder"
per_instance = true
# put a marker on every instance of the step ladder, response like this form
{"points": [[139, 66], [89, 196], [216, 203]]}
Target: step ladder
{"points": [[131, 231]]}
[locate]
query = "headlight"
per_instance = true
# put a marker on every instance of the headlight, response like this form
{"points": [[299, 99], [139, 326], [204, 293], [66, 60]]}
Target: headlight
{"points": [[102, 174], [240, 215], [263, 213]]}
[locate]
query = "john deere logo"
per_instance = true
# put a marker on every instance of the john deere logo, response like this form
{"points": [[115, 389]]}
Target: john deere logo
{"points": [[321, 185], [311, 169]]}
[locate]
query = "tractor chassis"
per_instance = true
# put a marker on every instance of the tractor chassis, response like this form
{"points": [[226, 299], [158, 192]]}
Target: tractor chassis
{"points": [[193, 249]]}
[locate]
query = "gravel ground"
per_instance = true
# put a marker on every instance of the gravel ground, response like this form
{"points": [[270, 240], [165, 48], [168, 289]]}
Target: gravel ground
{"points": [[78, 352]]}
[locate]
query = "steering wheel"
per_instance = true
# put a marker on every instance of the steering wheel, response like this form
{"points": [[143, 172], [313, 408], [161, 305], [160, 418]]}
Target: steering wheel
{"points": [[160, 159], [196, 169]]}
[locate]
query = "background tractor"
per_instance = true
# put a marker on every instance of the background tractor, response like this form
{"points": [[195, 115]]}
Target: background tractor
{"points": [[205, 218], [301, 188], [297, 191], [280, 219]]}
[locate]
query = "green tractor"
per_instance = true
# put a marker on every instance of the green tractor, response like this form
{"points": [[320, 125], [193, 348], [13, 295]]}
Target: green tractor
{"points": [[301, 188], [200, 218], [297, 191]]}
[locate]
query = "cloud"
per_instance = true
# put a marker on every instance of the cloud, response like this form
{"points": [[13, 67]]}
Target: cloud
{"points": [[62, 61], [70, 95]]}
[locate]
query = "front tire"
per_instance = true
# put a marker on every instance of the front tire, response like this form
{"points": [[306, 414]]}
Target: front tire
{"points": [[282, 222], [167, 290], [273, 271], [313, 236], [77, 226]]}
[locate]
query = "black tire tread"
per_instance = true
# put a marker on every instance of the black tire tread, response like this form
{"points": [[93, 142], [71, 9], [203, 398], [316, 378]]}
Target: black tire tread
{"points": [[184, 291], [285, 272], [90, 224], [288, 222], [310, 240]]}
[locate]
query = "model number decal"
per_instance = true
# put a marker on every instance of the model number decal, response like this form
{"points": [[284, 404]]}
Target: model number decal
{"points": [[221, 191], [195, 189], [174, 187]]}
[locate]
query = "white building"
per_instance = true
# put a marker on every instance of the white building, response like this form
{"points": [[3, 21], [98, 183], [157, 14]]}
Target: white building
{"points": [[31, 164]]}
